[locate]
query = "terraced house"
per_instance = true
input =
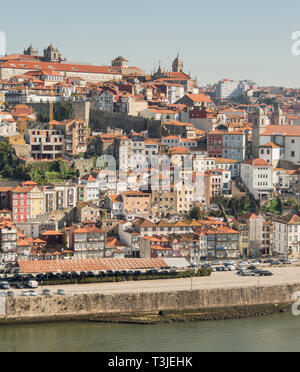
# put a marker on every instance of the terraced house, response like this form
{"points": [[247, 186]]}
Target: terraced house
{"points": [[88, 242], [286, 235]]}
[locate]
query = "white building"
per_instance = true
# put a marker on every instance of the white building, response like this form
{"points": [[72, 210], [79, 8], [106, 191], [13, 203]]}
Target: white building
{"points": [[271, 153], [286, 235], [257, 175], [285, 136], [228, 89]]}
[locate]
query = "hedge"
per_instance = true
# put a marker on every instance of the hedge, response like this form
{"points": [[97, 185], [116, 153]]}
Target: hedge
{"points": [[121, 278]]}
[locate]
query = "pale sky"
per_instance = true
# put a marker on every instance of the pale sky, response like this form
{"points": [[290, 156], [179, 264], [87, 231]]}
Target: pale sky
{"points": [[216, 39]]}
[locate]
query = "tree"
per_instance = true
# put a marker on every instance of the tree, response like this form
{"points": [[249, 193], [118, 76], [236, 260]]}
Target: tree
{"points": [[10, 165], [66, 112], [43, 118], [196, 214]]}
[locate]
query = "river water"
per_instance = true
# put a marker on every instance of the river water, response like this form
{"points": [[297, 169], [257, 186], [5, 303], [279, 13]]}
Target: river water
{"points": [[280, 332]]}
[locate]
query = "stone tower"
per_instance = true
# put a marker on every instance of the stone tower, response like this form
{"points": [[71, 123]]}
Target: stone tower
{"points": [[31, 52], [177, 65], [52, 54], [120, 62], [278, 117], [260, 120]]}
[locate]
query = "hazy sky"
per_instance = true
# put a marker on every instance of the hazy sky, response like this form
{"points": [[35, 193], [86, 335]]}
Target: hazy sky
{"points": [[216, 39]]}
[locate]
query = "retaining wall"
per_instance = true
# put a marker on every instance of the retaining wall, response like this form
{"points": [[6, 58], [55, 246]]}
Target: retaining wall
{"points": [[72, 306]]}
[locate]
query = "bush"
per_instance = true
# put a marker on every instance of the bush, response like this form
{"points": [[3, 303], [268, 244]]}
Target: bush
{"points": [[115, 279], [204, 272]]}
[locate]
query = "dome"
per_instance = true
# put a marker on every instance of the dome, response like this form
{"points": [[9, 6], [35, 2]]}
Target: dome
{"points": [[120, 58]]}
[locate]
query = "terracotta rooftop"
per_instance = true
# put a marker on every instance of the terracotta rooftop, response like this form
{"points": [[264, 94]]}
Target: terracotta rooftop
{"points": [[90, 264]]}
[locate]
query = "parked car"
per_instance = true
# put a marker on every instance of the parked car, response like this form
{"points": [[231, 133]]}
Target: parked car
{"points": [[32, 284], [266, 273], [46, 292], [286, 262], [32, 292], [243, 263], [25, 293], [256, 263], [4, 285], [10, 293], [165, 272], [248, 273], [231, 267], [277, 263], [269, 261], [61, 292]]}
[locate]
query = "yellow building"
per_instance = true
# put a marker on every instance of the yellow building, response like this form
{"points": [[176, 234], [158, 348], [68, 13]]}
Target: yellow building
{"points": [[36, 197]]}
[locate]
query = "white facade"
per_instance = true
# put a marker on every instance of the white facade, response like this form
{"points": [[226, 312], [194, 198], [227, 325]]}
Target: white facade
{"points": [[7, 128], [286, 236], [257, 176]]}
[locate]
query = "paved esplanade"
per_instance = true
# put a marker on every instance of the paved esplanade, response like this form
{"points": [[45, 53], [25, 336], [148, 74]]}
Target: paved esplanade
{"points": [[217, 280]]}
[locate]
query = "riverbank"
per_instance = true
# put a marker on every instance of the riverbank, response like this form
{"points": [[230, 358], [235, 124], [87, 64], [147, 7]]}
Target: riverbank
{"points": [[162, 317], [151, 307], [230, 313]]}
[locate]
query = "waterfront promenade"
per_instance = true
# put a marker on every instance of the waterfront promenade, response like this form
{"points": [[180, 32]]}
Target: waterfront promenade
{"points": [[282, 275]]}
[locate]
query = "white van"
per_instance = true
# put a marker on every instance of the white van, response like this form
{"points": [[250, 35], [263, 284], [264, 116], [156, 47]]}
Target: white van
{"points": [[33, 284]]}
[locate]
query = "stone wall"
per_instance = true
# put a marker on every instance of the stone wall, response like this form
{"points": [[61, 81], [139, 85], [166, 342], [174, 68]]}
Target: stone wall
{"points": [[73, 306], [61, 218], [81, 109], [100, 120], [84, 166]]}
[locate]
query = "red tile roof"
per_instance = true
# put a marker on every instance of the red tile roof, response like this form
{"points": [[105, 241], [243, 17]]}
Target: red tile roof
{"points": [[90, 264]]}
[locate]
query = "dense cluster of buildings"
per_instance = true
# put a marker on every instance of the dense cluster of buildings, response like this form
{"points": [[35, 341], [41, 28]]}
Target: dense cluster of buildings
{"points": [[140, 195]]}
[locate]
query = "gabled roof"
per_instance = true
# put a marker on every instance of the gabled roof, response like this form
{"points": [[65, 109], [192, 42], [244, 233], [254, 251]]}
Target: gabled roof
{"points": [[258, 163], [199, 98], [284, 130], [290, 219], [147, 223], [272, 145]]}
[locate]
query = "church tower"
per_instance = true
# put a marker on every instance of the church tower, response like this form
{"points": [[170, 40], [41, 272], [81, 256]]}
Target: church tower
{"points": [[52, 54], [278, 117], [260, 120], [31, 52], [177, 65]]}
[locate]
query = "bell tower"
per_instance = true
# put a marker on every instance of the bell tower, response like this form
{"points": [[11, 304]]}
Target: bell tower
{"points": [[177, 65], [260, 120], [278, 117]]}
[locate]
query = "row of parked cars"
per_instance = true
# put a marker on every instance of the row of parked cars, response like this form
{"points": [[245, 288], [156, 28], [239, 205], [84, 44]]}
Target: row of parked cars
{"points": [[23, 281], [243, 268], [254, 272], [33, 292]]}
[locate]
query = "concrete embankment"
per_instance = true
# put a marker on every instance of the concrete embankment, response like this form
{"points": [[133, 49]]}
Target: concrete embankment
{"points": [[105, 307]]}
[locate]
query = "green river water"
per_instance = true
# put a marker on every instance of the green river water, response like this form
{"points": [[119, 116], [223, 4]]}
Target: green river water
{"points": [[280, 332]]}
